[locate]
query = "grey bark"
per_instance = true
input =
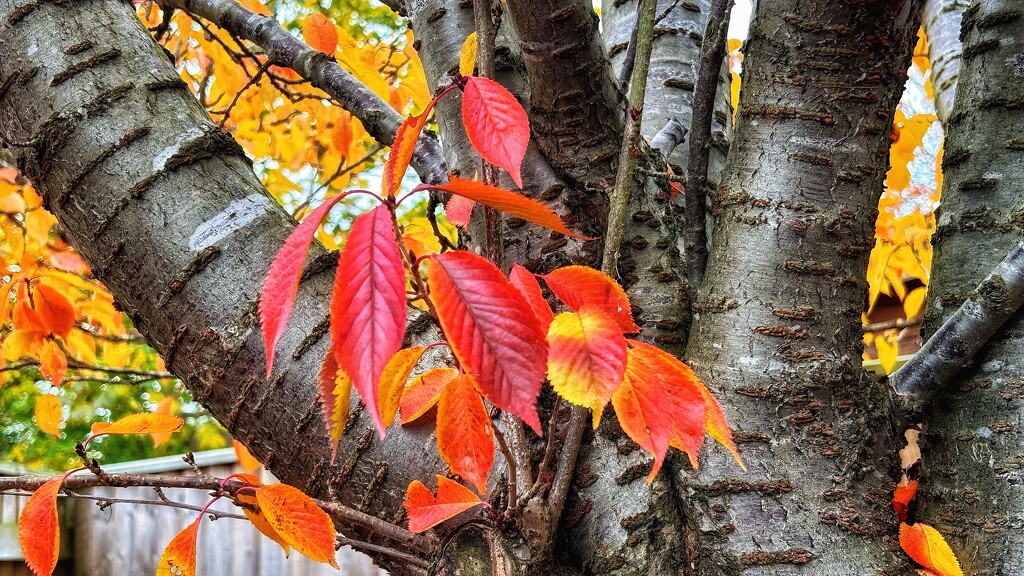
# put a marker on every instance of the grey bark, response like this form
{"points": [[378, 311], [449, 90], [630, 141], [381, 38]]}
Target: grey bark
{"points": [[972, 444], [776, 333], [941, 22], [168, 211]]}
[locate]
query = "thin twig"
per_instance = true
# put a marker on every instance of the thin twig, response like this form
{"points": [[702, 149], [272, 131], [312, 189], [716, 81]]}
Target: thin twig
{"points": [[226, 113], [695, 236], [618, 208], [895, 323]]}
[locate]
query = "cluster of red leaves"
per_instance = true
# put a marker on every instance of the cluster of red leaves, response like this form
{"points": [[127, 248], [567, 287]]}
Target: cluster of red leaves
{"points": [[503, 335]]}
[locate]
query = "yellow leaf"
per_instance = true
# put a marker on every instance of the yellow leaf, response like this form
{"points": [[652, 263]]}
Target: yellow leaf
{"points": [[928, 548], [49, 413], [887, 353], [914, 303], [393, 379], [467, 55], [299, 521], [145, 423], [52, 362]]}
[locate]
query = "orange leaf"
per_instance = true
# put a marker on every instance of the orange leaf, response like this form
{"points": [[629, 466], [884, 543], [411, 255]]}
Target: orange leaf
{"points": [[579, 285], [393, 379], [901, 498], [55, 311], [492, 331], [928, 548], [164, 408], [49, 414], [146, 423], [511, 203], [496, 124], [299, 521], [246, 460], [320, 33], [401, 150], [527, 284], [255, 515], [425, 511], [179, 558], [586, 358], [38, 529], [335, 391], [424, 392], [52, 362], [464, 436]]}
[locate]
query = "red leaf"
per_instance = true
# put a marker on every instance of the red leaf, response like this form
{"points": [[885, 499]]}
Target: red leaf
{"points": [[511, 203], [492, 330], [586, 358], [179, 558], [401, 150], [496, 124], [424, 392], [38, 529], [282, 281], [464, 436], [527, 285], [639, 404], [579, 285], [368, 305], [458, 210], [425, 511]]}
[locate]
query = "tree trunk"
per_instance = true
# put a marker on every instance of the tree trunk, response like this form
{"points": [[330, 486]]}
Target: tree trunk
{"points": [[973, 491], [941, 22], [777, 324], [168, 211]]}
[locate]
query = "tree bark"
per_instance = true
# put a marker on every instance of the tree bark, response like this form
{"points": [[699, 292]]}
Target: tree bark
{"points": [[168, 211], [973, 460], [777, 332]]}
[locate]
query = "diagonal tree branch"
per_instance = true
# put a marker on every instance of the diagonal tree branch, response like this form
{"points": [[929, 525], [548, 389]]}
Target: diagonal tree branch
{"points": [[963, 334], [380, 119]]}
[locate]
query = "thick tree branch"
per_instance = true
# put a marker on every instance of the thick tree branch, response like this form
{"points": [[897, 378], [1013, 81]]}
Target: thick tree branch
{"points": [[967, 331], [625, 180], [575, 106], [941, 22], [380, 120], [704, 92]]}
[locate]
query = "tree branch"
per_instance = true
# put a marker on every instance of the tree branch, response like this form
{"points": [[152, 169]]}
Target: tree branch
{"points": [[695, 233], [964, 333], [380, 120], [575, 106], [339, 513]]}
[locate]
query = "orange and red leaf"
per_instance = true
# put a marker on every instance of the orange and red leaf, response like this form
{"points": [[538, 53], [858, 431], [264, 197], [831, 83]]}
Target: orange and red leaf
{"points": [[464, 436], [145, 423], [335, 391], [319, 32], [496, 124], [402, 149], [492, 330], [901, 499], [425, 511], [368, 307], [424, 392], [928, 548], [528, 286], [179, 558]]}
